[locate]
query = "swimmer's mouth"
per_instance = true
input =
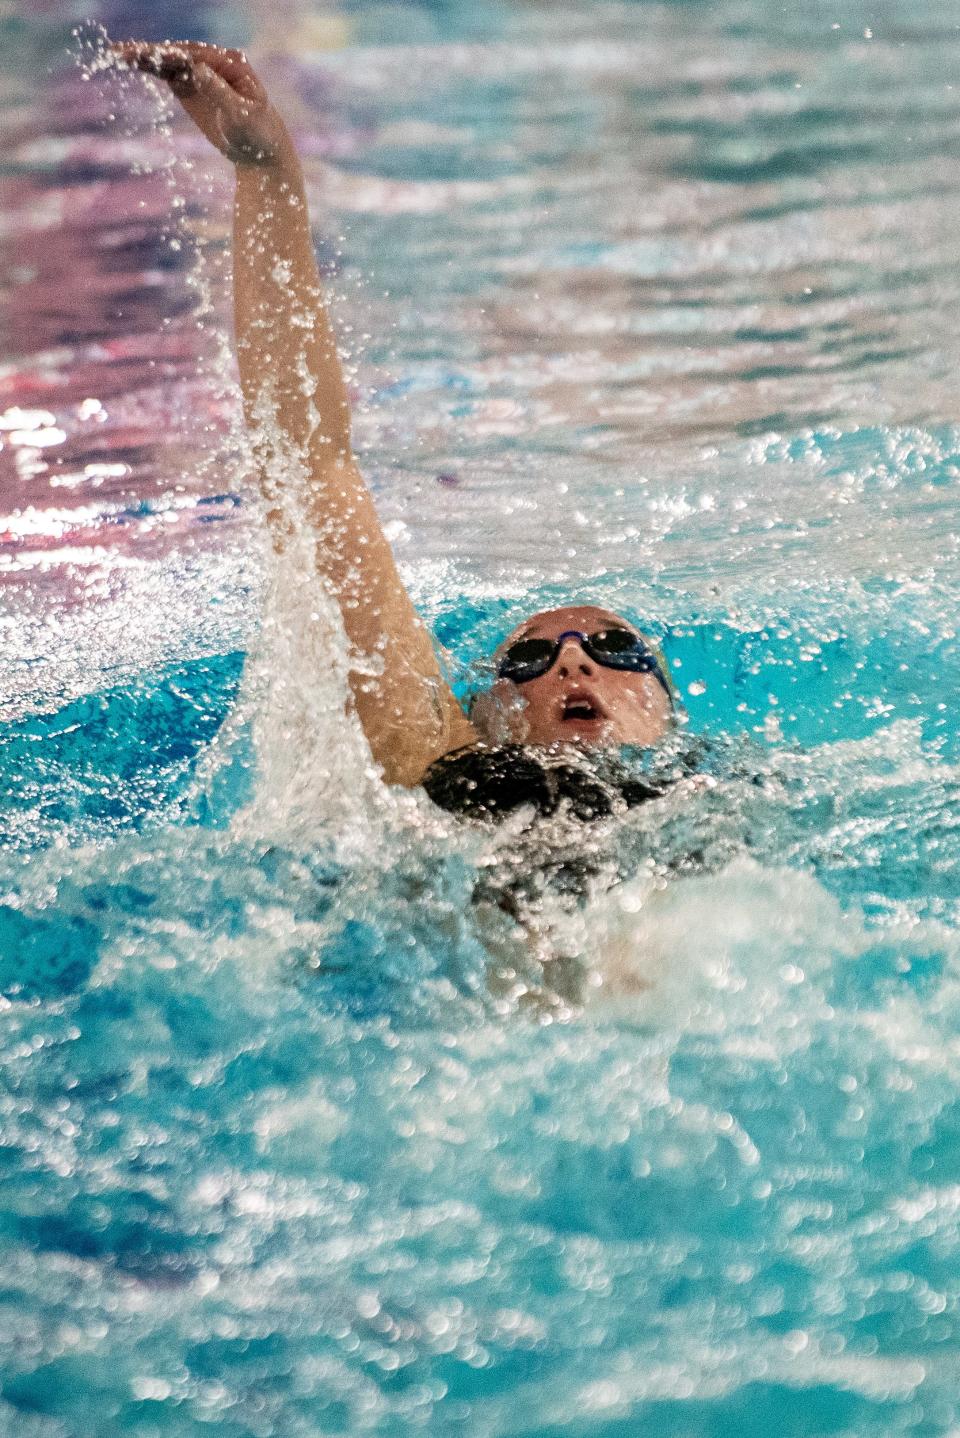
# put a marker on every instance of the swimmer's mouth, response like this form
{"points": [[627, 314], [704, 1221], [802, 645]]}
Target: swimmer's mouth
{"points": [[580, 709]]}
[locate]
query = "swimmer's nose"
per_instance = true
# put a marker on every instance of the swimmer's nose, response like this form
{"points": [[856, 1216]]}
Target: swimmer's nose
{"points": [[573, 660]]}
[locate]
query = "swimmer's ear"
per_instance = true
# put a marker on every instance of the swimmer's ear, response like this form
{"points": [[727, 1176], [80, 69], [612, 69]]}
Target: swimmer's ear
{"points": [[478, 707]]}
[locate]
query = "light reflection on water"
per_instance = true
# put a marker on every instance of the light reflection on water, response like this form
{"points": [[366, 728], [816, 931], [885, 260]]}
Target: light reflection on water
{"points": [[649, 303]]}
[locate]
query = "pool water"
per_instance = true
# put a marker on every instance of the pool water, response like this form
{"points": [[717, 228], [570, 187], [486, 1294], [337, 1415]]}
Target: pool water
{"points": [[654, 305]]}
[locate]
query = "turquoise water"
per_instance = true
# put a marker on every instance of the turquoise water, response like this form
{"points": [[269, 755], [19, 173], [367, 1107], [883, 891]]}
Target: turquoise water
{"points": [[651, 304]]}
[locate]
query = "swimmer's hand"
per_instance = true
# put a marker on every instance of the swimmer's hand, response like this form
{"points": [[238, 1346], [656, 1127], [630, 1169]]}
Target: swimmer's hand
{"points": [[221, 94]]}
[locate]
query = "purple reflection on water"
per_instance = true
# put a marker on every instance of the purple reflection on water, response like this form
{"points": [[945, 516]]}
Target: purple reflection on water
{"points": [[115, 389], [108, 389]]}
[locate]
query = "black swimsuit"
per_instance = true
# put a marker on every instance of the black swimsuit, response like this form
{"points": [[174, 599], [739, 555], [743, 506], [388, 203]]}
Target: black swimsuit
{"points": [[489, 783], [544, 858], [562, 853]]}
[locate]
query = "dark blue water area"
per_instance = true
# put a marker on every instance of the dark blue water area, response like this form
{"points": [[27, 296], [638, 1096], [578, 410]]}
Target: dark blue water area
{"points": [[831, 750], [279, 1155], [112, 760], [230, 1203]]}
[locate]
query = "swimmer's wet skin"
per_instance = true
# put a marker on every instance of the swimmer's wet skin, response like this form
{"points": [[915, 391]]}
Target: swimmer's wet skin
{"points": [[579, 677]]}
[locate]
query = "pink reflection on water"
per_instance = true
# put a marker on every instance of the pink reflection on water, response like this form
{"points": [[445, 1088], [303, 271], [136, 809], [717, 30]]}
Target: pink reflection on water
{"points": [[102, 326]]}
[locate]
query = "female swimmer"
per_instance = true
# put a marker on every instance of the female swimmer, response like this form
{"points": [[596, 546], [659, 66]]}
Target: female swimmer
{"points": [[570, 682]]}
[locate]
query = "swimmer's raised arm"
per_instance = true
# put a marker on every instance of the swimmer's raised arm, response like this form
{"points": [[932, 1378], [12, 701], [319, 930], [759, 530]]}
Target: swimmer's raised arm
{"points": [[297, 407]]}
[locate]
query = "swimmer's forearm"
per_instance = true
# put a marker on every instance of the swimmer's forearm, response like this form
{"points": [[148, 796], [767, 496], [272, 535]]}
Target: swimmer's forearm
{"points": [[297, 408], [295, 397], [289, 366], [293, 386]]}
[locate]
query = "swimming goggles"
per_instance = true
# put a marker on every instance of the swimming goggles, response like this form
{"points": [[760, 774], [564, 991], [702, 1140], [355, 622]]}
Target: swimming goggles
{"points": [[612, 648]]}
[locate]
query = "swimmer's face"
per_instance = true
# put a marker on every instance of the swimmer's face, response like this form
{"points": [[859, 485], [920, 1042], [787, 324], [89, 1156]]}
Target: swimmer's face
{"points": [[578, 701]]}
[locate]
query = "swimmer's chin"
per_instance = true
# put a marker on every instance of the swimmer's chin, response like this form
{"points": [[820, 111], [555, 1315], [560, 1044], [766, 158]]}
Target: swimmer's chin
{"points": [[599, 733]]}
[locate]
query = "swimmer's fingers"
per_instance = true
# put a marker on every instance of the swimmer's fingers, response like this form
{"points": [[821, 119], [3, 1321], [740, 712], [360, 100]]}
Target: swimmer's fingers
{"points": [[219, 91], [166, 62], [173, 61]]}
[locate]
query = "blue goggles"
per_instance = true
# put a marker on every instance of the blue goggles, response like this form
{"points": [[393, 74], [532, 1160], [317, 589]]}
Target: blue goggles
{"points": [[612, 648]]}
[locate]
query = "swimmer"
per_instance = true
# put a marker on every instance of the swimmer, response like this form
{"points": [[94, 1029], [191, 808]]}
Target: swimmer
{"points": [[569, 683]]}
